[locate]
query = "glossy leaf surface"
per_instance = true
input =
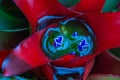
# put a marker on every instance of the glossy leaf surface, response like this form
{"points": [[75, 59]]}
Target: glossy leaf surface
{"points": [[12, 27], [10, 16], [8, 22], [28, 54], [110, 5], [105, 26], [36, 9], [81, 60], [89, 6], [69, 3]]}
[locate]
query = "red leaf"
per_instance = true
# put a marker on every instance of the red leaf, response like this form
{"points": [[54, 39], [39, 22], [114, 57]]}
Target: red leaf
{"points": [[47, 71], [63, 60], [107, 63], [26, 55], [36, 9], [79, 61], [88, 68], [14, 65], [89, 6], [106, 27], [3, 55]]}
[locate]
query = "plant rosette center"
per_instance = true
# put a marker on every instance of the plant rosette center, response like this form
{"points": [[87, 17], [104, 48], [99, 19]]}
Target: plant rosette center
{"points": [[71, 36]]}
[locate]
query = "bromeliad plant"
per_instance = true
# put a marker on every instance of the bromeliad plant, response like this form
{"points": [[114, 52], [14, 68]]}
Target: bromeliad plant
{"points": [[65, 40]]}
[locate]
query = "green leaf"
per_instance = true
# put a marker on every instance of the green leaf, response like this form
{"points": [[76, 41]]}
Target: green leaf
{"points": [[103, 77], [12, 31], [13, 28], [116, 52], [110, 5], [8, 22], [11, 38], [69, 3], [9, 7], [11, 18]]}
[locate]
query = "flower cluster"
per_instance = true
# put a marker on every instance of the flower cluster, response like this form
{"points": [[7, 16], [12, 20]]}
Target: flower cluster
{"points": [[65, 41]]}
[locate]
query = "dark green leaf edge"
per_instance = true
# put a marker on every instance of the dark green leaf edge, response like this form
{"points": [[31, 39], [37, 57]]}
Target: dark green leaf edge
{"points": [[68, 3], [116, 52], [8, 22]]}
